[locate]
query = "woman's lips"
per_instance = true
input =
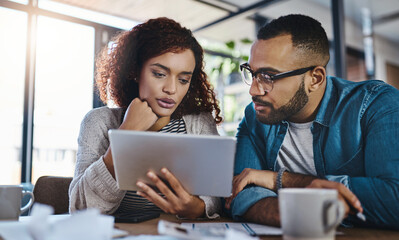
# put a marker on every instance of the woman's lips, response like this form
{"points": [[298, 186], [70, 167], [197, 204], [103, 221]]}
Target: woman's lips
{"points": [[166, 103]]}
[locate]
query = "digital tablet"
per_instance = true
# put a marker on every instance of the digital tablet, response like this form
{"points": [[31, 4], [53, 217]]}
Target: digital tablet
{"points": [[202, 163]]}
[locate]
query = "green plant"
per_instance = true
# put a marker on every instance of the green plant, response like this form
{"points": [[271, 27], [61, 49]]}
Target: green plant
{"points": [[231, 64], [235, 62]]}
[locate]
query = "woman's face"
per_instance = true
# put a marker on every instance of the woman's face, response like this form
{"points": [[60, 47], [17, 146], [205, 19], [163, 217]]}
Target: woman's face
{"points": [[165, 79]]}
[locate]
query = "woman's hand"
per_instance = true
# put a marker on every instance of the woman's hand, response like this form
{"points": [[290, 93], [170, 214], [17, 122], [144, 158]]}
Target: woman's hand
{"points": [[139, 116], [351, 202], [262, 178], [176, 201]]}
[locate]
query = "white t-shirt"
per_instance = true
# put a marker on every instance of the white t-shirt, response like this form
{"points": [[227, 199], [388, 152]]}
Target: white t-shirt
{"points": [[296, 152]]}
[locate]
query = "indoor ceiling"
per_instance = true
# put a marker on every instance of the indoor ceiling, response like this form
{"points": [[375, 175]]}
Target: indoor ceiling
{"points": [[224, 20]]}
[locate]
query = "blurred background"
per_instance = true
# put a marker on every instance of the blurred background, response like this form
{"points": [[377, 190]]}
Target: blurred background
{"points": [[48, 47]]}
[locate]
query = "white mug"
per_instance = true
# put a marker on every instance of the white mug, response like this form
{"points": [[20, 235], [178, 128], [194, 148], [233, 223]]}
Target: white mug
{"points": [[10, 201], [309, 213]]}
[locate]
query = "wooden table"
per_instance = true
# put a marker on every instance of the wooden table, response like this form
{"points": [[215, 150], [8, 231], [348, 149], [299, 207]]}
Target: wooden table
{"points": [[150, 227]]}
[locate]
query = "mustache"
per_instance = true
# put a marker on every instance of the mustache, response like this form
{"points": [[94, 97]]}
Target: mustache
{"points": [[259, 101]]}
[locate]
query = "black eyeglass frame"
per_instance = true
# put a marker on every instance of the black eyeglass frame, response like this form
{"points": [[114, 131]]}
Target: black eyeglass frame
{"points": [[271, 78]]}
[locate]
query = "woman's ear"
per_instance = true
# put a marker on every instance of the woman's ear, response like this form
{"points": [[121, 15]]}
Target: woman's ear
{"points": [[318, 78], [136, 77]]}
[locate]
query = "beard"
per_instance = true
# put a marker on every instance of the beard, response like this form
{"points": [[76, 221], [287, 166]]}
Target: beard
{"points": [[296, 103]]}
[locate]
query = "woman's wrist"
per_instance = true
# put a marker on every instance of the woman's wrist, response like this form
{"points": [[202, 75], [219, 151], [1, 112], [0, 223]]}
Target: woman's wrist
{"points": [[107, 158], [200, 211], [197, 211], [124, 126], [202, 208]]}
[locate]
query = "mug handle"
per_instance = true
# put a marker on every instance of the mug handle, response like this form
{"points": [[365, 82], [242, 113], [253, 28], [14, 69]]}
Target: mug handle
{"points": [[29, 204], [340, 213]]}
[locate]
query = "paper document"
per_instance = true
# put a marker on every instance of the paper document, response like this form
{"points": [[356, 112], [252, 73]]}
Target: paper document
{"points": [[85, 224], [194, 231], [249, 228]]}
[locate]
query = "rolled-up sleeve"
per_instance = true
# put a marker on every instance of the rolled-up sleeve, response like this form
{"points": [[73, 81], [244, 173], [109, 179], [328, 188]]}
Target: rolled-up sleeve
{"points": [[248, 197], [248, 155], [344, 179]]}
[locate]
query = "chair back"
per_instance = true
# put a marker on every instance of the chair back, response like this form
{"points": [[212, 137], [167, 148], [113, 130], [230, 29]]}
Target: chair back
{"points": [[53, 191]]}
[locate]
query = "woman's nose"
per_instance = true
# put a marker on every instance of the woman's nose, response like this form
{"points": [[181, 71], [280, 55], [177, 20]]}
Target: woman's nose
{"points": [[170, 86]]}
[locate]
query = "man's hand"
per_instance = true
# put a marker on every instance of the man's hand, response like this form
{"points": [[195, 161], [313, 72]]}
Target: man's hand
{"points": [[350, 201], [176, 201], [262, 178], [139, 116]]}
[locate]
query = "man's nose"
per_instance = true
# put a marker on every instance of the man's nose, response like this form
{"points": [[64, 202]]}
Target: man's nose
{"points": [[256, 89]]}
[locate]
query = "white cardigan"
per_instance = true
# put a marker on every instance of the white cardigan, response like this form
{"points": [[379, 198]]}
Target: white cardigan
{"points": [[93, 186]]}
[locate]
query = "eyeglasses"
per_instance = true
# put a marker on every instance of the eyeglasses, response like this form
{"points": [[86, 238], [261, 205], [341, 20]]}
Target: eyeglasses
{"points": [[266, 80]]}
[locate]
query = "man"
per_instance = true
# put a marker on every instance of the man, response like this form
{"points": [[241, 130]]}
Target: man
{"points": [[307, 129]]}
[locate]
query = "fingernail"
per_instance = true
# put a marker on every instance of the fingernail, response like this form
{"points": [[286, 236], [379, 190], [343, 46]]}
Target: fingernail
{"points": [[357, 204], [138, 193], [140, 184], [151, 175], [163, 170]]}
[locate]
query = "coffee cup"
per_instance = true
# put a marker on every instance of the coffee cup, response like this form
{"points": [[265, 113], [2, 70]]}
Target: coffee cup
{"points": [[309, 213], [10, 201]]}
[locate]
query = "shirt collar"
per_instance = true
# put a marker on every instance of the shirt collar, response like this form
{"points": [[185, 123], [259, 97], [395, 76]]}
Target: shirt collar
{"points": [[328, 103]]}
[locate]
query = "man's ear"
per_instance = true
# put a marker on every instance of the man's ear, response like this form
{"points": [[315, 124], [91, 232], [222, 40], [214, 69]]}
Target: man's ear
{"points": [[318, 76]]}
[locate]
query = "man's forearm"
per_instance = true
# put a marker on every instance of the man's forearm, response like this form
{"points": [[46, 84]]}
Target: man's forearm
{"points": [[296, 180], [265, 211]]}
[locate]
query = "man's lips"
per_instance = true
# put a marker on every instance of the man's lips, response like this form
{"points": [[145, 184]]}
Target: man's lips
{"points": [[260, 106], [166, 103]]}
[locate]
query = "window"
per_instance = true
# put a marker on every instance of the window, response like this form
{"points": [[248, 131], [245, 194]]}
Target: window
{"points": [[63, 94], [12, 77], [20, 1]]}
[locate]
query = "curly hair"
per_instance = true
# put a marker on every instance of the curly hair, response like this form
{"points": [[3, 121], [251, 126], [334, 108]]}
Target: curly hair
{"points": [[118, 67]]}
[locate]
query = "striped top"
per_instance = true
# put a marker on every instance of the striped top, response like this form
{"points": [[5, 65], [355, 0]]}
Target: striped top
{"points": [[133, 203]]}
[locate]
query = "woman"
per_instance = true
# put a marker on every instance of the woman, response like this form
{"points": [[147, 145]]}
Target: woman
{"points": [[154, 73]]}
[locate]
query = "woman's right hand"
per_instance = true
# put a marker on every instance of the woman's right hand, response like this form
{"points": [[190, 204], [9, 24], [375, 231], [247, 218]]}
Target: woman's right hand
{"points": [[139, 116]]}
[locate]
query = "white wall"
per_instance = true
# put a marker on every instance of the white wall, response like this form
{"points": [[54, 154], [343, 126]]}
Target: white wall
{"points": [[384, 50]]}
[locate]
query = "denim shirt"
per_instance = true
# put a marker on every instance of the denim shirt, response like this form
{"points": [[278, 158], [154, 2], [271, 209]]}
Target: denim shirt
{"points": [[355, 142]]}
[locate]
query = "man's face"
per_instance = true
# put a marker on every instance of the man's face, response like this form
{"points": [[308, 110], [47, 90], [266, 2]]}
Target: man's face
{"points": [[288, 96]]}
